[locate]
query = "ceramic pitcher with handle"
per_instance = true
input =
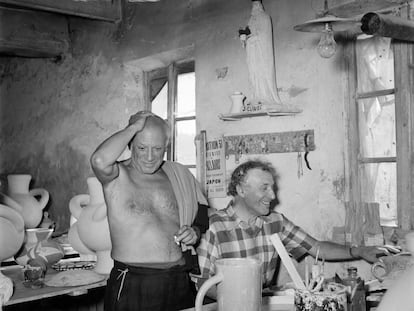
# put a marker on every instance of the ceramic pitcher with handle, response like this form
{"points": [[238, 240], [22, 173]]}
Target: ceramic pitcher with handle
{"points": [[239, 285], [31, 207], [237, 102], [90, 231]]}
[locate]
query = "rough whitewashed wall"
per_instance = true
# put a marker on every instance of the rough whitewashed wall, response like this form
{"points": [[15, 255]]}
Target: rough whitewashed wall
{"points": [[53, 114]]}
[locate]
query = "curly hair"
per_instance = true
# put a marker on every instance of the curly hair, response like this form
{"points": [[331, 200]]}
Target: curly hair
{"points": [[239, 174]]}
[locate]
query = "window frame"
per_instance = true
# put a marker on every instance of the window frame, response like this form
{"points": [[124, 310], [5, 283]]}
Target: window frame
{"points": [[403, 79], [171, 73]]}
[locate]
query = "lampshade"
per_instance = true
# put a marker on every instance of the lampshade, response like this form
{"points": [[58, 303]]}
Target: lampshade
{"points": [[336, 24]]}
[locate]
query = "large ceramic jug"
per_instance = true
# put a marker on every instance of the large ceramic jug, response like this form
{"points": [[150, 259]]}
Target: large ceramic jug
{"points": [[91, 226], [239, 285], [11, 232], [31, 207], [11, 239], [39, 245]]}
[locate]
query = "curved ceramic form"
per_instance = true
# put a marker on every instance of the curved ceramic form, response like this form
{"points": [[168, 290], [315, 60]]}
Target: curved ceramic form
{"points": [[38, 245], [31, 208], [91, 226], [11, 232]]}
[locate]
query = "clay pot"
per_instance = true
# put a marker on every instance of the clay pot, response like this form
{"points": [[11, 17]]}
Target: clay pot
{"points": [[91, 229], [30, 208], [11, 232], [38, 245]]}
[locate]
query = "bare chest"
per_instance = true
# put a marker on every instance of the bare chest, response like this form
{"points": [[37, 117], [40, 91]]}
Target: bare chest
{"points": [[145, 199]]}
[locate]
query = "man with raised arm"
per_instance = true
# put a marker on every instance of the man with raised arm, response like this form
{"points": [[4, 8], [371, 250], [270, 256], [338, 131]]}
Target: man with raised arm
{"points": [[154, 207]]}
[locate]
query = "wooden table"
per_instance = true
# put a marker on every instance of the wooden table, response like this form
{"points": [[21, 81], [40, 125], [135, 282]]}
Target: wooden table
{"points": [[24, 294], [268, 304]]}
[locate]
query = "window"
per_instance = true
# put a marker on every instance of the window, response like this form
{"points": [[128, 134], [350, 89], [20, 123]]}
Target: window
{"points": [[172, 96], [379, 127]]}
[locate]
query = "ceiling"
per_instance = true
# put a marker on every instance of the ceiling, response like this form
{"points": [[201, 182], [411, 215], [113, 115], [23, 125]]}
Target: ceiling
{"points": [[38, 28]]}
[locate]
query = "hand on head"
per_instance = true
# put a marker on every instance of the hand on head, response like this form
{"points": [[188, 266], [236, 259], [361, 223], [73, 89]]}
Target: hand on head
{"points": [[139, 119]]}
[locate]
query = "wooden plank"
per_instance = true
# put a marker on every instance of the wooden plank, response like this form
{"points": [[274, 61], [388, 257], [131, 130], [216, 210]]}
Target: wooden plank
{"points": [[388, 26], [23, 294], [403, 113], [352, 179], [358, 7], [32, 34], [287, 262], [270, 143], [106, 10]]}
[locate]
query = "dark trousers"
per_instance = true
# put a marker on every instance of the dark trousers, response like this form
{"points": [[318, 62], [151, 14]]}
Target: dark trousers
{"points": [[132, 288]]}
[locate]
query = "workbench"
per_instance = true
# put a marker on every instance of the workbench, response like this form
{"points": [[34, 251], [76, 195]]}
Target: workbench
{"points": [[23, 294]]}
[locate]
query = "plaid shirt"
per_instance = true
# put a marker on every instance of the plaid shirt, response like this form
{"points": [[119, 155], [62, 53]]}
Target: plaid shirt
{"points": [[230, 237]]}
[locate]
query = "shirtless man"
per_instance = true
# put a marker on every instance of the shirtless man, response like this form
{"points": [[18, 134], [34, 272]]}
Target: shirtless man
{"points": [[149, 228]]}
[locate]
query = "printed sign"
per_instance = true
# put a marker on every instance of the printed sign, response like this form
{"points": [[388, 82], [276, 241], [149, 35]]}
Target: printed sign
{"points": [[215, 168]]}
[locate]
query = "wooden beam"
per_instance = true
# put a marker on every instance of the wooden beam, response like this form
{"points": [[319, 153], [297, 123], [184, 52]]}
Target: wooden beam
{"points": [[32, 34], [105, 10], [388, 26], [358, 7]]}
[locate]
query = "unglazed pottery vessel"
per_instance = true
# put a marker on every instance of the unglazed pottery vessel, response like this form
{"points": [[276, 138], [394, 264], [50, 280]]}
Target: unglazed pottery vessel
{"points": [[90, 232], [38, 245], [11, 239], [31, 207], [239, 285], [11, 232]]}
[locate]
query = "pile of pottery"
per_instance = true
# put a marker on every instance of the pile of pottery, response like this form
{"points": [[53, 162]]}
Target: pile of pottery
{"points": [[28, 205], [89, 231]]}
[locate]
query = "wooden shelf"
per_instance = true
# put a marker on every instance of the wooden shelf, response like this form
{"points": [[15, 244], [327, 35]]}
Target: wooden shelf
{"points": [[239, 116]]}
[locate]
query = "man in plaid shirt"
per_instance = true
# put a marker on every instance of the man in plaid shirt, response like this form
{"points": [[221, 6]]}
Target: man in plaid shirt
{"points": [[244, 227]]}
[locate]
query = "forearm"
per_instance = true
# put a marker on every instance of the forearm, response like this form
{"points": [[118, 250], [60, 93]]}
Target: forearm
{"points": [[200, 223], [332, 251], [109, 151]]}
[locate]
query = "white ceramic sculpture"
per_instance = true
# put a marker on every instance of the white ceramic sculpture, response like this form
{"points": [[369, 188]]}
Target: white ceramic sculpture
{"points": [[30, 207], [90, 232]]}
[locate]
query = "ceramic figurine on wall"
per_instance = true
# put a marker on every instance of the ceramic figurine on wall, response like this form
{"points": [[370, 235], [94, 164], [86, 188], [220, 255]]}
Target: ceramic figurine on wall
{"points": [[258, 40]]}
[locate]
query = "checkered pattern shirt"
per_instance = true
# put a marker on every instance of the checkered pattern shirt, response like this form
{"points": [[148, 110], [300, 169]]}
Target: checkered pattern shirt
{"points": [[230, 237]]}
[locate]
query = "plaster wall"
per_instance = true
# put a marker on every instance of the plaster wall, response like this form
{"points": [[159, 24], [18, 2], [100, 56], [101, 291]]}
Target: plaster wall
{"points": [[54, 113]]}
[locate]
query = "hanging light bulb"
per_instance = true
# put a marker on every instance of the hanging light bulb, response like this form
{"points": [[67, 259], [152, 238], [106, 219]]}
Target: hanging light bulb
{"points": [[327, 45]]}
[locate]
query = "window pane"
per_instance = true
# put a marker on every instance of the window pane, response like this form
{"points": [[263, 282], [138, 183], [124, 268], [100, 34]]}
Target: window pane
{"points": [[185, 147], [375, 63], [160, 102], [186, 95], [379, 184], [376, 118]]}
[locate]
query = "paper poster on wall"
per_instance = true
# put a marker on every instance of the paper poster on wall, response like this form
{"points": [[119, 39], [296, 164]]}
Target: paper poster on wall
{"points": [[215, 168]]}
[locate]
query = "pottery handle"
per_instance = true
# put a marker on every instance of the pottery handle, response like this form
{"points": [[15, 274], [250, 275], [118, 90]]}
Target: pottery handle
{"points": [[44, 196], [376, 269], [100, 213], [204, 288], [76, 203]]}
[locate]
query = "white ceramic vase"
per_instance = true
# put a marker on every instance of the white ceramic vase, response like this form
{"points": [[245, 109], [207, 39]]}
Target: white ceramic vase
{"points": [[90, 232], [31, 208]]}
